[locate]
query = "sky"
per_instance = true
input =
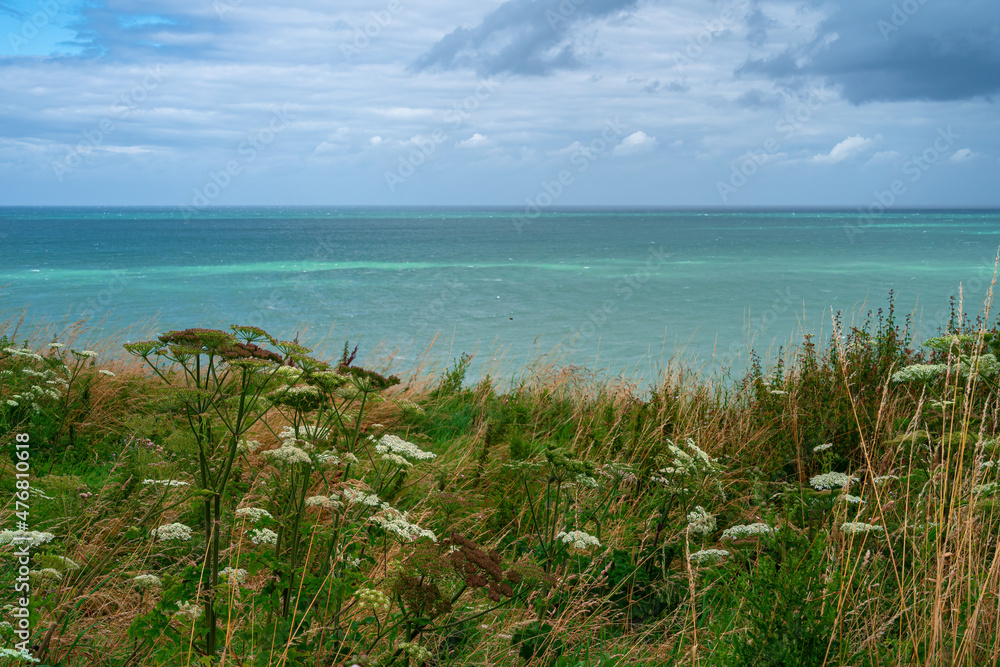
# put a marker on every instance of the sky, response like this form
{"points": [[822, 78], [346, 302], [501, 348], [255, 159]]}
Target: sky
{"points": [[875, 104]]}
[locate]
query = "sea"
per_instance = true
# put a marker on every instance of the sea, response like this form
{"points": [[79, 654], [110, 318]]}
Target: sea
{"points": [[614, 292]]}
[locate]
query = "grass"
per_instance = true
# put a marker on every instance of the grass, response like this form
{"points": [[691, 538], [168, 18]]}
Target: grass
{"points": [[558, 520]]}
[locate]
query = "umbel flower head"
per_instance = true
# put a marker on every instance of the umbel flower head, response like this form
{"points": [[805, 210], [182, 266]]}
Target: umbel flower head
{"points": [[172, 531], [391, 444], [831, 480], [701, 521], [578, 539]]}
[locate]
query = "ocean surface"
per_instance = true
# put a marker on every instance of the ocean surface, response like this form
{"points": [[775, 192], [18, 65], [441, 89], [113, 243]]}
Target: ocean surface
{"points": [[614, 290]]}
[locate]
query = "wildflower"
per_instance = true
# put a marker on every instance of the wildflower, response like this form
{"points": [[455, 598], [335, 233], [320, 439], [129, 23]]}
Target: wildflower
{"points": [[708, 554], [85, 354], [11, 403], [986, 464], [248, 446], [395, 522], [324, 458], [20, 537], [985, 489], [66, 563], [185, 608], [108, 373], [778, 392], [374, 598], [578, 539], [822, 448], [48, 573], [288, 454], [396, 459], [144, 581], [172, 531], [165, 482], [396, 445], [853, 528], [587, 480], [329, 502], [831, 480], [750, 530], [854, 500], [919, 373], [17, 654], [415, 651], [884, 478], [56, 346], [233, 576], [361, 498], [255, 514], [701, 522], [264, 536]]}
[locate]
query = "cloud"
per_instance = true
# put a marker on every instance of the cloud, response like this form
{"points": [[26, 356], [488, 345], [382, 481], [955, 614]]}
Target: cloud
{"points": [[475, 141], [847, 148], [875, 52], [883, 157], [961, 155], [637, 142], [526, 37]]}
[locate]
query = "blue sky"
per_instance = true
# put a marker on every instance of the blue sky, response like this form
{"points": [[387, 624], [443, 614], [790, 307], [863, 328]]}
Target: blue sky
{"points": [[531, 103]]}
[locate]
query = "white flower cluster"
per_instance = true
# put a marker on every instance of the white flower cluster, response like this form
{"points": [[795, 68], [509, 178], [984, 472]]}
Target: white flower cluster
{"points": [[264, 536], [391, 444], [831, 480], [419, 654], [144, 581], [985, 365], [33, 538], [708, 554], [986, 489], [374, 598], [701, 522], [587, 480], [248, 446], [314, 432], [165, 482], [361, 498], [84, 354], [396, 523], [884, 478], [65, 563], [327, 458], [749, 530], [23, 352], [919, 373], [185, 608], [396, 460], [105, 372], [854, 500], [685, 463], [18, 654], [328, 502], [172, 531], [255, 514], [578, 539], [234, 576], [822, 448], [289, 374], [855, 527], [47, 573], [288, 454]]}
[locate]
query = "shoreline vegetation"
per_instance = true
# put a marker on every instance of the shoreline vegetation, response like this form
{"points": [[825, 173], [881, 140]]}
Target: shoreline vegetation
{"points": [[221, 497]]}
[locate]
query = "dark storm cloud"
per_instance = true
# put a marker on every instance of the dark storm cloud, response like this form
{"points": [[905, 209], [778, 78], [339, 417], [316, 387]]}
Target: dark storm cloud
{"points": [[528, 37], [899, 50]]}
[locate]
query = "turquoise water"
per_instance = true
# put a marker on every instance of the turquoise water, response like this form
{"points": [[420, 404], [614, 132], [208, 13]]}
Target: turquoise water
{"points": [[613, 289]]}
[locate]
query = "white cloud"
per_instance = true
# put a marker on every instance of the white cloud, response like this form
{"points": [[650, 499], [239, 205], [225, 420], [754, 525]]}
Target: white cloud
{"points": [[883, 157], [475, 141], [962, 155], [375, 141], [637, 142], [847, 148]]}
